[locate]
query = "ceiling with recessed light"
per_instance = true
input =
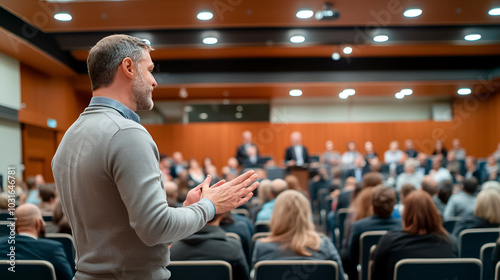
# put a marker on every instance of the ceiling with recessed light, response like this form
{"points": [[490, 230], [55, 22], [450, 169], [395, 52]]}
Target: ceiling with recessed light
{"points": [[259, 49]]}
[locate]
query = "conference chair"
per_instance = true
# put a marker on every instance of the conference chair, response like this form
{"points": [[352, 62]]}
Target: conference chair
{"points": [[370, 262], [241, 211], [4, 216], [68, 244], [497, 271], [27, 269], [262, 226], [256, 237], [486, 254], [366, 241], [233, 235], [296, 269], [4, 228], [438, 269], [206, 270], [450, 223], [275, 173], [47, 217], [341, 215], [470, 241]]}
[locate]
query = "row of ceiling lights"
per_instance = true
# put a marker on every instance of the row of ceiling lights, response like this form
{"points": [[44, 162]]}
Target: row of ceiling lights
{"points": [[399, 95]]}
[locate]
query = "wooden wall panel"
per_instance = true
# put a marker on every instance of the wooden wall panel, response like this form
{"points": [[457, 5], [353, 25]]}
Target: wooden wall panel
{"points": [[39, 146]]}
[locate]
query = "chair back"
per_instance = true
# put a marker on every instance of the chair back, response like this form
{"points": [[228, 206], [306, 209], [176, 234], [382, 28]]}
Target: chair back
{"points": [[207, 270], [449, 224], [296, 269], [27, 269], [233, 236], [470, 241], [366, 241], [262, 226], [486, 255], [341, 215], [68, 244], [497, 271], [275, 173], [438, 269], [4, 228]]}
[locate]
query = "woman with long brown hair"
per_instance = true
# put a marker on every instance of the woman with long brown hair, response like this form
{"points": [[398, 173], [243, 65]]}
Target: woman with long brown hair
{"points": [[423, 236], [292, 234]]}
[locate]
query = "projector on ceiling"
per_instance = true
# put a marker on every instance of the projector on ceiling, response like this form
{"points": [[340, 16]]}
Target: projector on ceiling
{"points": [[327, 13]]}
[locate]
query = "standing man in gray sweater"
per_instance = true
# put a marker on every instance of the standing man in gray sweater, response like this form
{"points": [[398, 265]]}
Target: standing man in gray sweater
{"points": [[107, 175]]}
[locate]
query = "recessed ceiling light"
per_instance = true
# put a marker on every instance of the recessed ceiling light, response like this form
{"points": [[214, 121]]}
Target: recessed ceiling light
{"points": [[238, 115], [63, 16], [381, 38], [297, 39], [406, 91], [204, 16], [210, 40], [472, 37], [399, 95], [464, 91], [343, 95], [349, 91], [494, 12], [203, 116], [335, 56], [304, 14], [347, 50], [295, 92], [412, 13]]}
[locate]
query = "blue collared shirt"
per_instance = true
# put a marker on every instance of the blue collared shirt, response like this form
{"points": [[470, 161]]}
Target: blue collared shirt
{"points": [[111, 103]]}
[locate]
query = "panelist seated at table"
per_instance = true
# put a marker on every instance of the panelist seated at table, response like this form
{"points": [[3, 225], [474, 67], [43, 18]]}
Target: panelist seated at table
{"points": [[296, 154]]}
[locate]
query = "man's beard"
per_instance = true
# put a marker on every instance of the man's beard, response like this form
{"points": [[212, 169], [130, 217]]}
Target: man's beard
{"points": [[142, 93]]}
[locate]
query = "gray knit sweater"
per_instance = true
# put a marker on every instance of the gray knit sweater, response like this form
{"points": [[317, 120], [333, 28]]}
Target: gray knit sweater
{"points": [[107, 175]]}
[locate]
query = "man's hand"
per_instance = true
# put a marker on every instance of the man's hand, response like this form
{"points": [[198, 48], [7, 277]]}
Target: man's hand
{"points": [[194, 195], [232, 194]]}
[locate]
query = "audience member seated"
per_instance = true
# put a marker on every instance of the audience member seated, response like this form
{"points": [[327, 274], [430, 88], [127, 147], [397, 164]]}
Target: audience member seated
{"points": [[263, 196], [293, 236], [241, 226], [172, 191], [30, 243], [350, 155], [211, 243], [253, 159], [330, 156], [438, 172], [492, 170], [459, 151], [453, 165], [464, 202], [317, 182], [439, 149], [410, 149], [47, 195], [496, 154], [359, 169], [165, 167], [59, 219], [393, 156], [344, 199], [383, 201], [371, 157], [491, 185], [406, 189], [445, 190], [32, 195], [178, 164], [195, 173], [471, 171], [241, 151], [423, 236], [277, 186], [430, 186], [486, 214], [409, 176], [422, 165], [296, 154], [230, 171]]}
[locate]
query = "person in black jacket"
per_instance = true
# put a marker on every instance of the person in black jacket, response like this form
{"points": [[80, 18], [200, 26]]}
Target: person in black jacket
{"points": [[241, 151], [296, 154], [423, 236], [30, 244], [211, 243]]}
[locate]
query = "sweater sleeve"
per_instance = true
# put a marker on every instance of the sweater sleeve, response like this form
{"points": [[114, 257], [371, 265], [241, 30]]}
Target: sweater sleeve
{"points": [[132, 162]]}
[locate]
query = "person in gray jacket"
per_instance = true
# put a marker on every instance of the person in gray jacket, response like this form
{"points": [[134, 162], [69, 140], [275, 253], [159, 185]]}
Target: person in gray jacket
{"points": [[107, 174], [292, 234]]}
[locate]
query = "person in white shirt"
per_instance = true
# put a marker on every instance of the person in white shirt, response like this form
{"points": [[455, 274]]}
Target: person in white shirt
{"points": [[350, 155], [438, 172], [459, 151], [409, 175], [296, 154]]}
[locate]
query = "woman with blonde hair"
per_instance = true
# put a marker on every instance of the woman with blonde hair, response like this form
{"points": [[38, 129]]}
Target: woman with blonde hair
{"points": [[486, 214], [293, 235]]}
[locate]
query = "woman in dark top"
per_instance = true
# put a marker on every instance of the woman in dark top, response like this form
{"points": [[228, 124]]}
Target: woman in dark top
{"points": [[486, 214], [423, 236]]}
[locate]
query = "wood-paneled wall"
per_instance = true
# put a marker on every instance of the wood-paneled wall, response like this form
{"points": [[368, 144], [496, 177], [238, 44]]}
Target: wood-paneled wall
{"points": [[476, 123]]}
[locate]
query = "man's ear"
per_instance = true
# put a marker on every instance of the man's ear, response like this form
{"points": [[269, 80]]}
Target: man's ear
{"points": [[127, 68]]}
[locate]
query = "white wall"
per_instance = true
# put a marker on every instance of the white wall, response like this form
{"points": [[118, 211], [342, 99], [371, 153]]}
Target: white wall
{"points": [[10, 131]]}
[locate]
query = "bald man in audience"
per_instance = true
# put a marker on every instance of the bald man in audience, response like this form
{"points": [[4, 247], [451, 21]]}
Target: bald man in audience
{"points": [[277, 187], [29, 243]]}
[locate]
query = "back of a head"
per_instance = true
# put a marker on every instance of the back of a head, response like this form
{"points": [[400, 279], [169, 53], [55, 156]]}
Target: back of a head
{"points": [[445, 190], [470, 185], [371, 179], [429, 185], [291, 222], [264, 191], [293, 182], [383, 201], [491, 185], [488, 206], [47, 192], [31, 182], [278, 186], [362, 204], [27, 214], [105, 57], [171, 188], [420, 215], [406, 189]]}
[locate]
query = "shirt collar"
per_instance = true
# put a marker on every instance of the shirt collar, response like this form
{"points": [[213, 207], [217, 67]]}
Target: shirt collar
{"points": [[111, 103], [29, 235]]}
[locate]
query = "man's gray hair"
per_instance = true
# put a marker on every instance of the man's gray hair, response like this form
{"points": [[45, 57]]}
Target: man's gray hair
{"points": [[105, 57]]}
